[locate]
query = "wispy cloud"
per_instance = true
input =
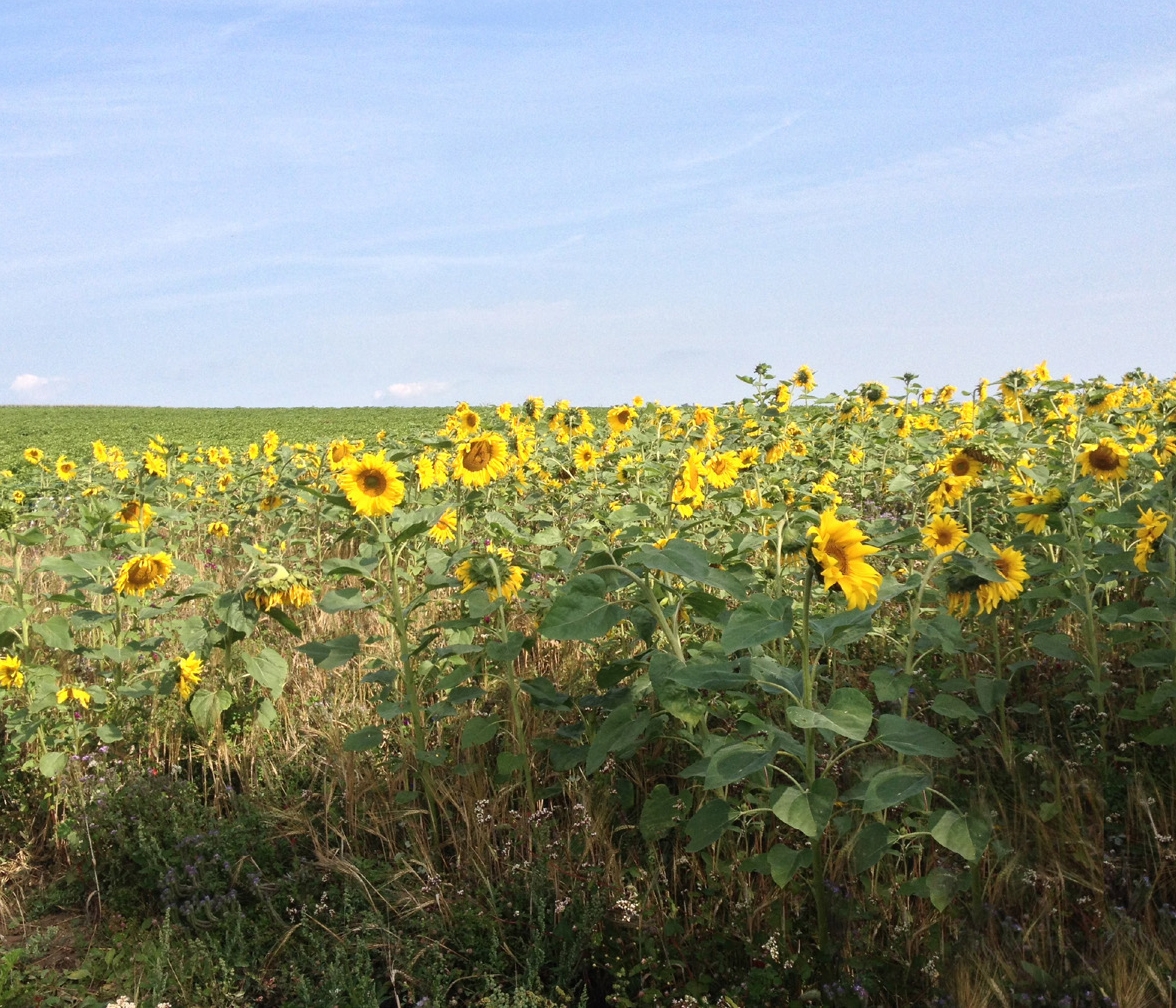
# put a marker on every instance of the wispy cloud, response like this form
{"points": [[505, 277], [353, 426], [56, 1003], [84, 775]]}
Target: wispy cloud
{"points": [[412, 390], [28, 383], [35, 388], [724, 154]]}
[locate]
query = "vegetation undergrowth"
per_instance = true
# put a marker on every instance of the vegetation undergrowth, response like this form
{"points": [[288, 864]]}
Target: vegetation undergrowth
{"points": [[856, 700]]}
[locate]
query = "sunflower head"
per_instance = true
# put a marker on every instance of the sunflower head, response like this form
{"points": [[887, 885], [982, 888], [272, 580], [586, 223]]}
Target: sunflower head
{"points": [[943, 534], [11, 677], [621, 418], [34, 456], [839, 551], [373, 485], [874, 393], [136, 515], [585, 456], [1108, 460], [490, 568], [142, 573], [481, 460]]}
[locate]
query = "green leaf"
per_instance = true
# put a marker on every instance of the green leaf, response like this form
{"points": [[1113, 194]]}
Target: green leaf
{"points": [[843, 629], [543, 694], [232, 609], [758, 620], [267, 713], [848, 713], [682, 702], [505, 652], [109, 733], [344, 600], [892, 786], [966, 835], [478, 731], [268, 669], [331, 654], [708, 823], [991, 692], [662, 811], [1056, 646], [950, 706], [784, 863], [55, 633], [622, 730], [581, 612], [360, 566], [913, 738], [509, 764], [207, 706], [688, 561], [871, 844], [10, 618], [807, 810], [734, 763], [52, 763], [371, 737], [890, 685]]}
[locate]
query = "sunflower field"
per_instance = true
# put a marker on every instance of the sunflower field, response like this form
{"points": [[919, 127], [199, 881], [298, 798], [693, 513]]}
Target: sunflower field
{"points": [[857, 699]]}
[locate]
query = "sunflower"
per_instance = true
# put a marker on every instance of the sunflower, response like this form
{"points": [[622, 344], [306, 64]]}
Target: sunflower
{"points": [[190, 671], [142, 573], [155, 465], [11, 677], [943, 534], [372, 484], [34, 456], [466, 422], [67, 693], [1035, 523], [491, 569], [628, 468], [723, 470], [840, 549], [270, 442], [444, 528], [136, 515], [481, 460], [585, 456], [1011, 565], [1107, 460], [219, 529], [856, 456], [270, 503], [804, 378], [298, 595], [621, 418], [66, 470], [961, 465], [101, 455], [424, 471], [1152, 526], [533, 407], [18, 496], [783, 395], [340, 451]]}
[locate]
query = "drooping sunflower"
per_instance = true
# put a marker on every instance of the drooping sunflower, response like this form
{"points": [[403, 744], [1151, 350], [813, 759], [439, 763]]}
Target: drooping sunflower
{"points": [[943, 534], [840, 548], [142, 573], [1011, 565], [372, 484], [191, 669], [481, 460], [11, 677], [137, 516], [1105, 461], [444, 529], [621, 418]]}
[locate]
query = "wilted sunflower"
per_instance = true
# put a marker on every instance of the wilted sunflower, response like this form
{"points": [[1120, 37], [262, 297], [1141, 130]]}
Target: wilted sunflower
{"points": [[839, 547], [372, 484], [621, 418], [1107, 460], [270, 503], [943, 534], [190, 672], [11, 677], [1011, 564], [142, 573], [481, 460]]}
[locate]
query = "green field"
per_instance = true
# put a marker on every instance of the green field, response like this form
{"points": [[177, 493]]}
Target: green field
{"points": [[70, 429]]}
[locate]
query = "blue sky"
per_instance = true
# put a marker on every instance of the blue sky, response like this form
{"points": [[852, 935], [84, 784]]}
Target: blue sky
{"points": [[221, 203]]}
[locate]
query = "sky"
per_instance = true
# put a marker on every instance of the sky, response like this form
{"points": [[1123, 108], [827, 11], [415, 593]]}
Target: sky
{"points": [[360, 202]]}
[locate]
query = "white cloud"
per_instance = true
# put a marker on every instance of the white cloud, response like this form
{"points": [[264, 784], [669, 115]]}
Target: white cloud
{"points": [[414, 390], [28, 383]]}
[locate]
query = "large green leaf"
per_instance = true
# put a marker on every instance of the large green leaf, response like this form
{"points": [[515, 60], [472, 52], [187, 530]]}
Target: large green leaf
{"points": [[268, 669], [478, 731], [892, 786], [52, 763], [332, 653], [10, 618], [344, 600], [681, 701], [581, 612], [849, 713], [966, 835], [708, 824], [842, 629], [1056, 646], [371, 737], [688, 561], [758, 620], [913, 738], [735, 762], [662, 811], [207, 706], [55, 633], [622, 730], [807, 810], [870, 845]]}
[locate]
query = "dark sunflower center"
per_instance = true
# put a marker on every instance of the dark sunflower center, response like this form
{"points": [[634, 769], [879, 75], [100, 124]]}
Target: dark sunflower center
{"points": [[140, 573], [961, 466], [944, 536], [1104, 459], [837, 552], [374, 483], [477, 456]]}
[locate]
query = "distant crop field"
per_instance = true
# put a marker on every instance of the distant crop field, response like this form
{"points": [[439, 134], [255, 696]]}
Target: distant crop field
{"points": [[69, 430]]}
